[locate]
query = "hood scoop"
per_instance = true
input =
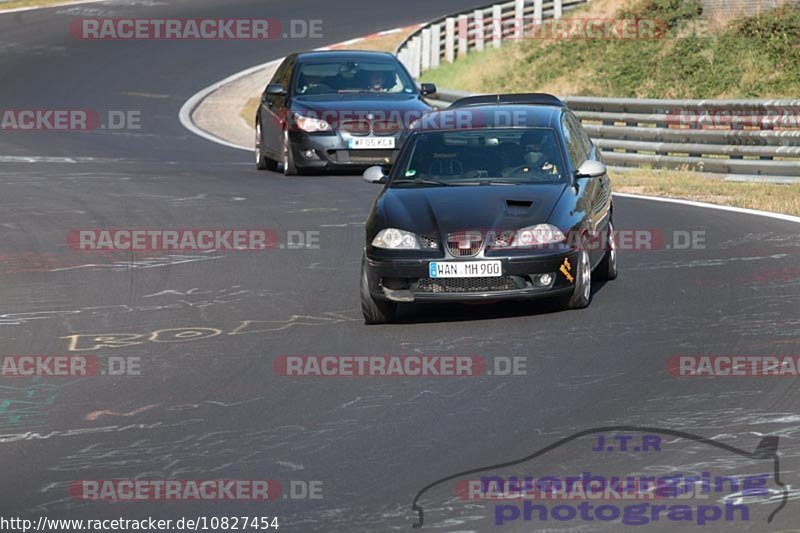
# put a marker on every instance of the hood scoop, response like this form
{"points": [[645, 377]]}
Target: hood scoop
{"points": [[518, 207]]}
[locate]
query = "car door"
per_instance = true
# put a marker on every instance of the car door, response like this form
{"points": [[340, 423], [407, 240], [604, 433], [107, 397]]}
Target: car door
{"points": [[603, 205], [274, 109], [589, 188]]}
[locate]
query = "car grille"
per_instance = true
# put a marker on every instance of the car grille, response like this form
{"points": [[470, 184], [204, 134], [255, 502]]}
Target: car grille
{"points": [[356, 127], [451, 285], [428, 242], [464, 244], [503, 240], [365, 127]]}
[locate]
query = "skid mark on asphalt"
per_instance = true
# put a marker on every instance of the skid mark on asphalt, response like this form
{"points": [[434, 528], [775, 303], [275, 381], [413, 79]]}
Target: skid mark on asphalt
{"points": [[94, 415], [185, 301], [96, 341], [170, 260], [705, 262]]}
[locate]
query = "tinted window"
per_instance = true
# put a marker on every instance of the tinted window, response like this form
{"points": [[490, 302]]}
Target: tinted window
{"points": [[575, 148], [330, 77], [284, 73], [583, 137], [466, 157]]}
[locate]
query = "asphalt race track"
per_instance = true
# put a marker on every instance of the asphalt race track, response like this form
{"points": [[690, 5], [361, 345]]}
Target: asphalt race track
{"points": [[207, 327]]}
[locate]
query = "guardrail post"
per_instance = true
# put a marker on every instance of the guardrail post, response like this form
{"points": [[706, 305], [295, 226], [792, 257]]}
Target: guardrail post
{"points": [[519, 16], [497, 25], [416, 56], [463, 35], [436, 44], [558, 9], [480, 31], [450, 39], [425, 61]]}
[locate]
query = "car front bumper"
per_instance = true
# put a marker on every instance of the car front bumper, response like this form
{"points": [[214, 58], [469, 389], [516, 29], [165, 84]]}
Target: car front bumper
{"points": [[332, 152], [407, 279]]}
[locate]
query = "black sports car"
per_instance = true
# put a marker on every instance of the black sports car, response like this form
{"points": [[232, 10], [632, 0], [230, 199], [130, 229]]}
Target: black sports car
{"points": [[495, 197], [336, 110]]}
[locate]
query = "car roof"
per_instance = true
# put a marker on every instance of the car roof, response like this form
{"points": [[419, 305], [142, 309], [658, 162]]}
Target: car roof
{"points": [[346, 55], [503, 116]]}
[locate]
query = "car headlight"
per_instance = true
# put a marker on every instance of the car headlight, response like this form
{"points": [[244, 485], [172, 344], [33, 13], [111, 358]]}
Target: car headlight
{"points": [[537, 235], [311, 125], [395, 239]]}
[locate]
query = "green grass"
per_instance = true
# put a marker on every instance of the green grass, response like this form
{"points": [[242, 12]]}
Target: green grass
{"points": [[747, 58]]}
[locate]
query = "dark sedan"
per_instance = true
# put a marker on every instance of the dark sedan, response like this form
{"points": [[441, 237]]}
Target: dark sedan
{"points": [[336, 110], [497, 197]]}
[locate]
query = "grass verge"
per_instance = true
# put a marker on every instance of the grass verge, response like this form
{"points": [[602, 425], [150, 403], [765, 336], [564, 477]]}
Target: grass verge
{"points": [[773, 197], [689, 57]]}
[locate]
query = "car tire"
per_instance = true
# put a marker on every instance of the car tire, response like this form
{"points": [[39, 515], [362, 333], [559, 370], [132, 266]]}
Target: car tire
{"points": [[607, 269], [263, 162], [375, 311], [582, 290], [289, 168]]}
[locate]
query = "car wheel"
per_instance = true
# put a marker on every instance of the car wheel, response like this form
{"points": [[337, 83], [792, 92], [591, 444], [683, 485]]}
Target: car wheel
{"points": [[289, 168], [263, 162], [375, 311], [582, 291], [607, 269]]}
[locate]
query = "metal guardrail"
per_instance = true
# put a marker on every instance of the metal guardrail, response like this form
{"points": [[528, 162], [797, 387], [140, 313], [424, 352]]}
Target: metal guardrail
{"points": [[453, 36], [672, 142], [750, 139]]}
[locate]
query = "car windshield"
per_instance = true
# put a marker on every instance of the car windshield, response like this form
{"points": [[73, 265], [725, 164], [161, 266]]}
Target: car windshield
{"points": [[332, 77], [481, 157]]}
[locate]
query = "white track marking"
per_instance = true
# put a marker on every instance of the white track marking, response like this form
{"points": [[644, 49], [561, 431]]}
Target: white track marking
{"points": [[779, 216], [32, 8]]}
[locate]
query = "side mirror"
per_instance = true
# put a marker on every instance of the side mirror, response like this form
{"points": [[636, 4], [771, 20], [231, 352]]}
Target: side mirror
{"points": [[275, 89], [374, 175], [427, 88], [591, 169]]}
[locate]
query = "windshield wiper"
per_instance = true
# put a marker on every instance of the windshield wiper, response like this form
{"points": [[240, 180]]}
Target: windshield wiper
{"points": [[485, 182], [424, 181]]}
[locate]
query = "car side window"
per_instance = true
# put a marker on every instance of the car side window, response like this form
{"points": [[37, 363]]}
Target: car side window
{"points": [[284, 73], [576, 151], [583, 137]]}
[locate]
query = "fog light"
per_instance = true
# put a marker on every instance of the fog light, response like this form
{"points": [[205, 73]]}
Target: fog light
{"points": [[310, 154], [543, 280]]}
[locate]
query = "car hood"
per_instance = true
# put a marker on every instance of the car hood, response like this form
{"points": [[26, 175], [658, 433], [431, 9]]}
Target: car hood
{"points": [[442, 210], [358, 105]]}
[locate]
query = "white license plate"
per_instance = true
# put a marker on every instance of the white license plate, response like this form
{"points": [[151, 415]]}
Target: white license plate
{"points": [[466, 269], [372, 143]]}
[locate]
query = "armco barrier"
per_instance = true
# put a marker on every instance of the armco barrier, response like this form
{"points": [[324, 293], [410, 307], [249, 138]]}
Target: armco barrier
{"points": [[755, 140], [453, 36]]}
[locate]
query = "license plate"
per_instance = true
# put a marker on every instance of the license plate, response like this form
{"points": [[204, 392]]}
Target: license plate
{"points": [[466, 269], [372, 143]]}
